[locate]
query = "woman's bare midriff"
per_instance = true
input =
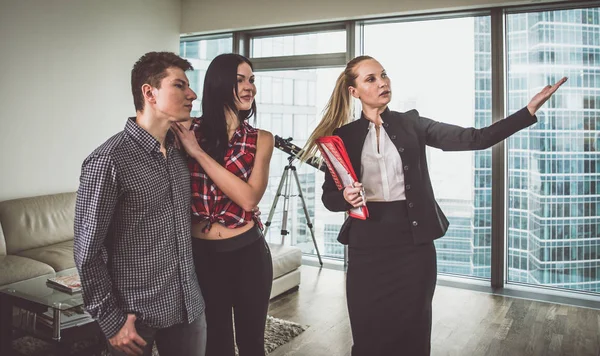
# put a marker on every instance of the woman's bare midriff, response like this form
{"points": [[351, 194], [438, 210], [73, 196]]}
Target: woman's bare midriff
{"points": [[218, 231]]}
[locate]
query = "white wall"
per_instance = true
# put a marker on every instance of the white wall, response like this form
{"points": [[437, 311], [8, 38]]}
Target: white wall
{"points": [[206, 16], [64, 82]]}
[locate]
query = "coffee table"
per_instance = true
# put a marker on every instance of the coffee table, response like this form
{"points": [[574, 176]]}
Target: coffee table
{"points": [[34, 296]]}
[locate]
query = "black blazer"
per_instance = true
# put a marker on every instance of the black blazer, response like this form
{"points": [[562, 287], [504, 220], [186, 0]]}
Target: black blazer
{"points": [[410, 133]]}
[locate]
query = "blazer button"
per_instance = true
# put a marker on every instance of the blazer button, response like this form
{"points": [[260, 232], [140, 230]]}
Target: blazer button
{"points": [[385, 124], [401, 149], [415, 223], [410, 205], [406, 168], [408, 187], [393, 137]]}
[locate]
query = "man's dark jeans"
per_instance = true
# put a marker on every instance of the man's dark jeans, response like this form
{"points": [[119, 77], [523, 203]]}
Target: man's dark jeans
{"points": [[178, 340]]}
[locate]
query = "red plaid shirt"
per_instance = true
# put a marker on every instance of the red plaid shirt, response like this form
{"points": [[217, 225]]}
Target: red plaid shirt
{"points": [[208, 201]]}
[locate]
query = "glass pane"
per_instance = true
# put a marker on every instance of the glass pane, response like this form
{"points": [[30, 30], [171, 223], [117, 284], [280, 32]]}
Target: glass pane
{"points": [[553, 212], [295, 113], [37, 291], [306, 43], [444, 73], [200, 53]]}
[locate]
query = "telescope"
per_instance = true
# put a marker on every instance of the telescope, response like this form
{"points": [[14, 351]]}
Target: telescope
{"points": [[285, 189], [286, 145]]}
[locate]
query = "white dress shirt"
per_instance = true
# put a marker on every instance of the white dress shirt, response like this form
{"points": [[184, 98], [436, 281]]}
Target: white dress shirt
{"points": [[382, 175]]}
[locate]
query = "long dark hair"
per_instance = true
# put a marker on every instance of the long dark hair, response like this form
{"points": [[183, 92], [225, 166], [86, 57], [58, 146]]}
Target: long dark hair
{"points": [[220, 84]]}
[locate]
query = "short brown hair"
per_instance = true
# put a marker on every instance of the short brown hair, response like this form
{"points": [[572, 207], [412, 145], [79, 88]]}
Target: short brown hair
{"points": [[151, 68]]}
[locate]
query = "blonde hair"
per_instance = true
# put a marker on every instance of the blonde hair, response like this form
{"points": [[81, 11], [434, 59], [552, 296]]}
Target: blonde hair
{"points": [[338, 111]]}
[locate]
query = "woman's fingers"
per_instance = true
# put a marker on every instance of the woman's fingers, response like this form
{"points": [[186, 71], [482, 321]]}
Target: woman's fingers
{"points": [[352, 195], [554, 88], [356, 199], [177, 127], [551, 89]]}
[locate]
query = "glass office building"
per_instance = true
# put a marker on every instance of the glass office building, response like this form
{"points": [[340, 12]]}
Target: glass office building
{"points": [[553, 224], [553, 236]]}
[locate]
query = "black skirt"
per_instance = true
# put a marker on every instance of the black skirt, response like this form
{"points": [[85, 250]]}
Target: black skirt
{"points": [[390, 284]]}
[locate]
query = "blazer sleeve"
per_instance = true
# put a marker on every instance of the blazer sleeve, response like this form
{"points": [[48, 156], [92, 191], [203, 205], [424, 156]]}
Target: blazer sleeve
{"points": [[450, 137], [332, 197]]}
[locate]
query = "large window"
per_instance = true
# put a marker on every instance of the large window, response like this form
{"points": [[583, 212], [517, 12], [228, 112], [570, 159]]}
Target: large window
{"points": [[442, 69], [290, 104], [299, 44], [293, 113], [554, 205], [547, 230]]}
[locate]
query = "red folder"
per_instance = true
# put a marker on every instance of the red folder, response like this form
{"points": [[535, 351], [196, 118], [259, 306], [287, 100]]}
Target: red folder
{"points": [[336, 158]]}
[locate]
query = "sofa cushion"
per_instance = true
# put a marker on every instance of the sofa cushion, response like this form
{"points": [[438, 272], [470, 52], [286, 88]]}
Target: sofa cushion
{"points": [[37, 221], [17, 268], [59, 256], [2, 243], [284, 283], [285, 259]]}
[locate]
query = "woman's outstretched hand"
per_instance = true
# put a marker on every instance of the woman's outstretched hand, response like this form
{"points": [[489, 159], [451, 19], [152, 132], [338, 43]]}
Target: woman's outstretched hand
{"points": [[540, 98]]}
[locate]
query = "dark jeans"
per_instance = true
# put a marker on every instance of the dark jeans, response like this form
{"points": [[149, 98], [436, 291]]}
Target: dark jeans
{"points": [[235, 275], [178, 340]]}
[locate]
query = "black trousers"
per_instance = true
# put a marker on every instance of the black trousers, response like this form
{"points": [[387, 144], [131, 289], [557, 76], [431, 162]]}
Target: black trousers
{"points": [[235, 274], [389, 286]]}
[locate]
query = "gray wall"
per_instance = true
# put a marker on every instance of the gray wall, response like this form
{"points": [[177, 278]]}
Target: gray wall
{"points": [[64, 82]]}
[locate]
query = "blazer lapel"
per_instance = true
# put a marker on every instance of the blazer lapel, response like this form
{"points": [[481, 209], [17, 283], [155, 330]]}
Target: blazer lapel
{"points": [[355, 141], [394, 125]]}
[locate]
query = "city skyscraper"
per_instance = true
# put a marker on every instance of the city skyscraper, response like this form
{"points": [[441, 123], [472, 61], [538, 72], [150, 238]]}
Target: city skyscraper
{"points": [[552, 167], [553, 236]]}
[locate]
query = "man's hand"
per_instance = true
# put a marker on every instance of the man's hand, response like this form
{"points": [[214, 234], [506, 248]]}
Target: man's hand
{"points": [[127, 339]]}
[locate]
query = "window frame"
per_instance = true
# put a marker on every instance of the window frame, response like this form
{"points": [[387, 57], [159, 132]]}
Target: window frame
{"points": [[499, 87]]}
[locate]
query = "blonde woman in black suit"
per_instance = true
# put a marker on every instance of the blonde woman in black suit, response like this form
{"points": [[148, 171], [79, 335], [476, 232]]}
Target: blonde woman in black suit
{"points": [[392, 267]]}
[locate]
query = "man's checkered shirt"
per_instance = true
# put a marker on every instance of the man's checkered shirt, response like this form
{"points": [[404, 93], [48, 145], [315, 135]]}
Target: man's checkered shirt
{"points": [[132, 242]]}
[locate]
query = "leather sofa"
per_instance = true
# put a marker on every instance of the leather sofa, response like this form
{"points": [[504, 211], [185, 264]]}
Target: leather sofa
{"points": [[36, 236], [286, 268], [36, 239]]}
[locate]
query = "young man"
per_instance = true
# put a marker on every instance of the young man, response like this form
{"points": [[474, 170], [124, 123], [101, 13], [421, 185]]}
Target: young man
{"points": [[132, 223]]}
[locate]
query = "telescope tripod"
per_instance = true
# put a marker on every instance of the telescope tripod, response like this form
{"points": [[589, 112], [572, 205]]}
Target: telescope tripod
{"points": [[286, 185]]}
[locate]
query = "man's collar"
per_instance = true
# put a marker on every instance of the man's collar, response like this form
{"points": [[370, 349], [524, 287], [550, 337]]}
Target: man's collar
{"points": [[144, 138]]}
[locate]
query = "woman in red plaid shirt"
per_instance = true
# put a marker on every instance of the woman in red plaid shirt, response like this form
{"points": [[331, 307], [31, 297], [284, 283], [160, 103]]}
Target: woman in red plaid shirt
{"points": [[229, 166]]}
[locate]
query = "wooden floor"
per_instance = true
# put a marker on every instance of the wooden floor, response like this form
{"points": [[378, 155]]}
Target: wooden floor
{"points": [[464, 322]]}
